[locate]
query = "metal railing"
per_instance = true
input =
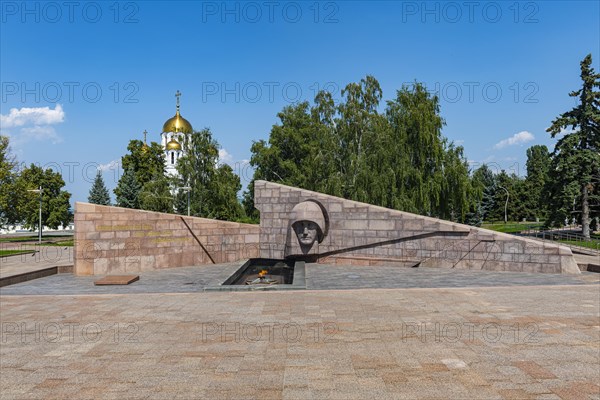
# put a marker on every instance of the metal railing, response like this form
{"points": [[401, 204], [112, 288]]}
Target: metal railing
{"points": [[570, 239]]}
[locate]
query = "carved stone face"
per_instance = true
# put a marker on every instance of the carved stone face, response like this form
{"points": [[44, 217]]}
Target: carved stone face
{"points": [[306, 231]]}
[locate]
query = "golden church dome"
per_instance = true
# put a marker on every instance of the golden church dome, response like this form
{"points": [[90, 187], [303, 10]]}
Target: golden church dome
{"points": [[177, 123], [173, 145]]}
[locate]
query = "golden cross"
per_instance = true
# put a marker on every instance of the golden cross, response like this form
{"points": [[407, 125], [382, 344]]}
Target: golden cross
{"points": [[178, 95]]}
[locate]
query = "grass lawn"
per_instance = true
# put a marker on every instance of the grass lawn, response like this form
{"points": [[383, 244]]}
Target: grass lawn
{"points": [[17, 239], [512, 227], [60, 243], [589, 245], [4, 253]]}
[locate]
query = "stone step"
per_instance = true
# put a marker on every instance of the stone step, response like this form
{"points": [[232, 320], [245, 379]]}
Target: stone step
{"points": [[40, 273]]}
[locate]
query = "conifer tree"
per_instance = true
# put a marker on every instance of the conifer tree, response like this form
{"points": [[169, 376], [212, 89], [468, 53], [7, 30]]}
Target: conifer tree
{"points": [[98, 192], [127, 190], [577, 153]]}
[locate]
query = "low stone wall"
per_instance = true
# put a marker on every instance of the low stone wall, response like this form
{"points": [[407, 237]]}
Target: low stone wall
{"points": [[363, 234], [114, 240]]}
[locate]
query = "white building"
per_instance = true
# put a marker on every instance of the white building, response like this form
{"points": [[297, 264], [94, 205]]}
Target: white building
{"points": [[175, 139]]}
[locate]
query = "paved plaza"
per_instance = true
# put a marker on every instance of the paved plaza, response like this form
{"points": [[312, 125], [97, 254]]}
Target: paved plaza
{"points": [[422, 333]]}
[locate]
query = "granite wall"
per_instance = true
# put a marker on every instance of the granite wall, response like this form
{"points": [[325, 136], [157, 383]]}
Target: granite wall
{"points": [[114, 240], [363, 234]]}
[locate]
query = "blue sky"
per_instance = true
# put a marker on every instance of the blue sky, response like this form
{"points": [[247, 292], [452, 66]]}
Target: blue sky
{"points": [[80, 81]]}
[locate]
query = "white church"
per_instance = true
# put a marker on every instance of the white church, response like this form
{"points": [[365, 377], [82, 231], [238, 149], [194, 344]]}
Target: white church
{"points": [[174, 139]]}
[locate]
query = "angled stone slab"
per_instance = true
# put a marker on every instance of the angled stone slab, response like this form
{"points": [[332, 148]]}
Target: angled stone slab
{"points": [[353, 231]]}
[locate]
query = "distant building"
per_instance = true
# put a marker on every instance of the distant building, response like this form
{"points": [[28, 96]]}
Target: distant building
{"points": [[175, 139]]}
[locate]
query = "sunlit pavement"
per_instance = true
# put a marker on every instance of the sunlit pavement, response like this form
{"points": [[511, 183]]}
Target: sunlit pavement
{"points": [[503, 341]]}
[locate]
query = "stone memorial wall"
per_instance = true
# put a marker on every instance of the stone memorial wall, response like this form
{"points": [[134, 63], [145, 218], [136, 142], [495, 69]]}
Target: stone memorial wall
{"points": [[354, 233], [114, 240]]}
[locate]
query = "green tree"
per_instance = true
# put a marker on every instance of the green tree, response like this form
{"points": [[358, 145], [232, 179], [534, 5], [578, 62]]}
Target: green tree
{"points": [[397, 159], [300, 151], [582, 145], [223, 189], [419, 150], [98, 192], [146, 161], [534, 197], [456, 187], [56, 209], [563, 190], [515, 208], [127, 190], [248, 203], [8, 163], [156, 195], [483, 186], [214, 187]]}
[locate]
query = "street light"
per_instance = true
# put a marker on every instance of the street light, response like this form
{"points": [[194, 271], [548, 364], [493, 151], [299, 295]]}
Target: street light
{"points": [[40, 222], [506, 204], [187, 189]]}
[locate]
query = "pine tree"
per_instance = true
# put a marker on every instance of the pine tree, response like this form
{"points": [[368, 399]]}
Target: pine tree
{"points": [[482, 192], [98, 192], [127, 190], [581, 147]]}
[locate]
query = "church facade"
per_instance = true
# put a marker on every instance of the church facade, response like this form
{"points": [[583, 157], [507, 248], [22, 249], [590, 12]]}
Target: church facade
{"points": [[175, 139]]}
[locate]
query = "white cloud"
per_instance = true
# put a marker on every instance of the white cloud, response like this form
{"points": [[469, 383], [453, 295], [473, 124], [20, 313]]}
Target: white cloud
{"points": [[32, 116], [517, 138], [38, 133], [32, 124], [225, 157], [110, 166]]}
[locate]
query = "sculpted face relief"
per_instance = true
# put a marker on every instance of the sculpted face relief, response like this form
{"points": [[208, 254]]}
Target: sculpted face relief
{"points": [[306, 231], [307, 223]]}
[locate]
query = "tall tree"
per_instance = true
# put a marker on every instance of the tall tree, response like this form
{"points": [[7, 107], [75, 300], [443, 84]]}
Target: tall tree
{"points": [[146, 161], [56, 209], [98, 192], [584, 140], [128, 190], [419, 151], [223, 189], [8, 212], [360, 129], [534, 197], [397, 159], [214, 187], [482, 195], [156, 195]]}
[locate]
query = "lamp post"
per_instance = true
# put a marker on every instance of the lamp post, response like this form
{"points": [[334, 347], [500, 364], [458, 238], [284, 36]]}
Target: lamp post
{"points": [[506, 204], [40, 218], [187, 189]]}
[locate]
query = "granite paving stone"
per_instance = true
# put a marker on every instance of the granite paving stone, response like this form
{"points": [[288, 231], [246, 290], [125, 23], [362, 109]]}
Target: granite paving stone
{"points": [[391, 333]]}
